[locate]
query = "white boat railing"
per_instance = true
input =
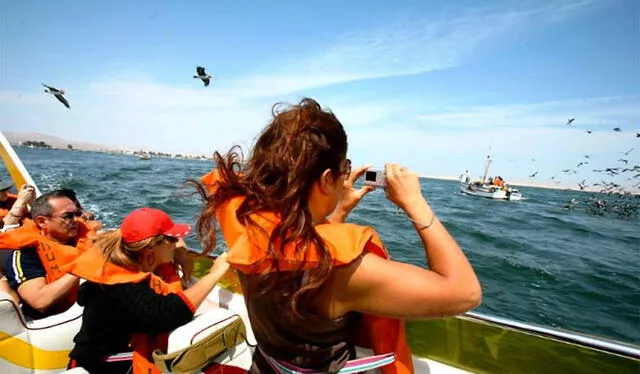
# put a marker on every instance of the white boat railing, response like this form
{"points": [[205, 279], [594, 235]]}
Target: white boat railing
{"points": [[602, 344]]}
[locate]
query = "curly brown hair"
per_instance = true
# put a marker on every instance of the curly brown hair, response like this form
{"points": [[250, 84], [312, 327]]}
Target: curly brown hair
{"points": [[290, 154]]}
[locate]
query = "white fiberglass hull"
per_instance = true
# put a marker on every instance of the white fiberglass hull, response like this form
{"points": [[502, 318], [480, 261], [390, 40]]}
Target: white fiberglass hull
{"points": [[490, 192]]}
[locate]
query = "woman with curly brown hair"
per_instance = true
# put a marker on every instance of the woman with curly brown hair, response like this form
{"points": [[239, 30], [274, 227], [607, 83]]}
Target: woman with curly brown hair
{"points": [[316, 287]]}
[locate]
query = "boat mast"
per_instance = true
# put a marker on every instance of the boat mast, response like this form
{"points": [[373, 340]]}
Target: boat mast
{"points": [[486, 168]]}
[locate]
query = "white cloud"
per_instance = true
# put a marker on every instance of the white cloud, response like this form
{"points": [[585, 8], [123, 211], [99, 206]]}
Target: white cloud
{"points": [[593, 113], [403, 47], [406, 47]]}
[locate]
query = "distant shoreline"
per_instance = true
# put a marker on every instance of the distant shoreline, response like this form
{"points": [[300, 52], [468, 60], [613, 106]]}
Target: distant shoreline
{"points": [[20, 138], [142, 155], [25, 140], [17, 138]]}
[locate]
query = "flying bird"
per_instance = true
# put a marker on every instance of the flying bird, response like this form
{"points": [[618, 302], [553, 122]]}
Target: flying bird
{"points": [[589, 131], [612, 171], [582, 184], [59, 94], [616, 129], [638, 135], [627, 152], [623, 160], [582, 163], [533, 175], [206, 78], [570, 121]]}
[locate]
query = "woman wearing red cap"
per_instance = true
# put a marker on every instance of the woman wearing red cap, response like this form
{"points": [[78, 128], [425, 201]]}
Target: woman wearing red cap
{"points": [[122, 299]]}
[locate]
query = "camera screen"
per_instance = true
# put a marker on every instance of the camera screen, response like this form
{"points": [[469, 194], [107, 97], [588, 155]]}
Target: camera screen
{"points": [[370, 176]]}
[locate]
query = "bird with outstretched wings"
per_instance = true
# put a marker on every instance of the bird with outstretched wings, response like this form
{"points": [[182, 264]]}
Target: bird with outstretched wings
{"points": [[59, 94], [202, 75]]}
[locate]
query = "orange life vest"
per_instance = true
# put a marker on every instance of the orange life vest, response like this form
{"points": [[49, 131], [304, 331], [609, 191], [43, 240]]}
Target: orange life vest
{"points": [[9, 202], [248, 252], [92, 267], [52, 254]]}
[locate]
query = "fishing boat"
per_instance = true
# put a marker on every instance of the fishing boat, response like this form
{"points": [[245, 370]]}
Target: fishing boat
{"points": [[481, 188], [470, 343]]}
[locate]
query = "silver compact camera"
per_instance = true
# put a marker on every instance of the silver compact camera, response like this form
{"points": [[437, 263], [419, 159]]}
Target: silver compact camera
{"points": [[375, 177]]}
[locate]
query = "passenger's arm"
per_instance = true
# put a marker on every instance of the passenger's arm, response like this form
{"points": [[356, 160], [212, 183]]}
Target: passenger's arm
{"points": [[199, 291], [41, 295], [26, 275], [350, 196], [378, 286], [26, 195]]}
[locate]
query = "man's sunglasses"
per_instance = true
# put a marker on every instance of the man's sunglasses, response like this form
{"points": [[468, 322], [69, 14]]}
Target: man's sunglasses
{"points": [[69, 216]]}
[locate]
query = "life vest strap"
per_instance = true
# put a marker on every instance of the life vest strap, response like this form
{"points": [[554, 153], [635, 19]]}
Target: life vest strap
{"points": [[352, 366], [125, 356]]}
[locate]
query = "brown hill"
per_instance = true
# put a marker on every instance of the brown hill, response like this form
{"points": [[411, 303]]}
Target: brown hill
{"points": [[56, 142]]}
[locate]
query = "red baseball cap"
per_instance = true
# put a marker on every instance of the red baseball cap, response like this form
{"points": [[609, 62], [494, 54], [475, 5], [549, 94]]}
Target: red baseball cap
{"points": [[145, 223]]}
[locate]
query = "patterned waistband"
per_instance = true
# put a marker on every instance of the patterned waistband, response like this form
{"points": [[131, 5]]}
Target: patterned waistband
{"points": [[352, 366]]}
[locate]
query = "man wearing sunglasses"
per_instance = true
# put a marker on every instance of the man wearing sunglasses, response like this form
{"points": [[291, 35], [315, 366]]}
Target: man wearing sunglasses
{"points": [[48, 241]]}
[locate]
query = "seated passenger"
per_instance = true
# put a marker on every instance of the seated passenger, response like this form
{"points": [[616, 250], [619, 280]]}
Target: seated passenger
{"points": [[52, 238], [6, 198], [124, 303], [13, 208], [315, 287]]}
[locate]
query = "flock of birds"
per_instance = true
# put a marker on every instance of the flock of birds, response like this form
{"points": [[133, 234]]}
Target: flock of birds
{"points": [[59, 94], [611, 197], [616, 129]]}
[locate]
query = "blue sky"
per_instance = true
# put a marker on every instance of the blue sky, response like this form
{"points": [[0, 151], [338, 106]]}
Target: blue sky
{"points": [[429, 84]]}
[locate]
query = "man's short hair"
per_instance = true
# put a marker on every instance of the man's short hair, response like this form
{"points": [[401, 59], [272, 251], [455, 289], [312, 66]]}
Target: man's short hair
{"points": [[41, 206]]}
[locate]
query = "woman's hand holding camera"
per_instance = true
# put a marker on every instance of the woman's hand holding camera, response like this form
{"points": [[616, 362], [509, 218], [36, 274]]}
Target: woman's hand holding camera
{"points": [[403, 187], [350, 195]]}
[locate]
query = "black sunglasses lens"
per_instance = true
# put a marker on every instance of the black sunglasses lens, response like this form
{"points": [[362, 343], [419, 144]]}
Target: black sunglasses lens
{"points": [[71, 215]]}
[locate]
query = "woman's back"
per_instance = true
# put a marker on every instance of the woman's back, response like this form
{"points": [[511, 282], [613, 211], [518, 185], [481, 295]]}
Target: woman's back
{"points": [[309, 341]]}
